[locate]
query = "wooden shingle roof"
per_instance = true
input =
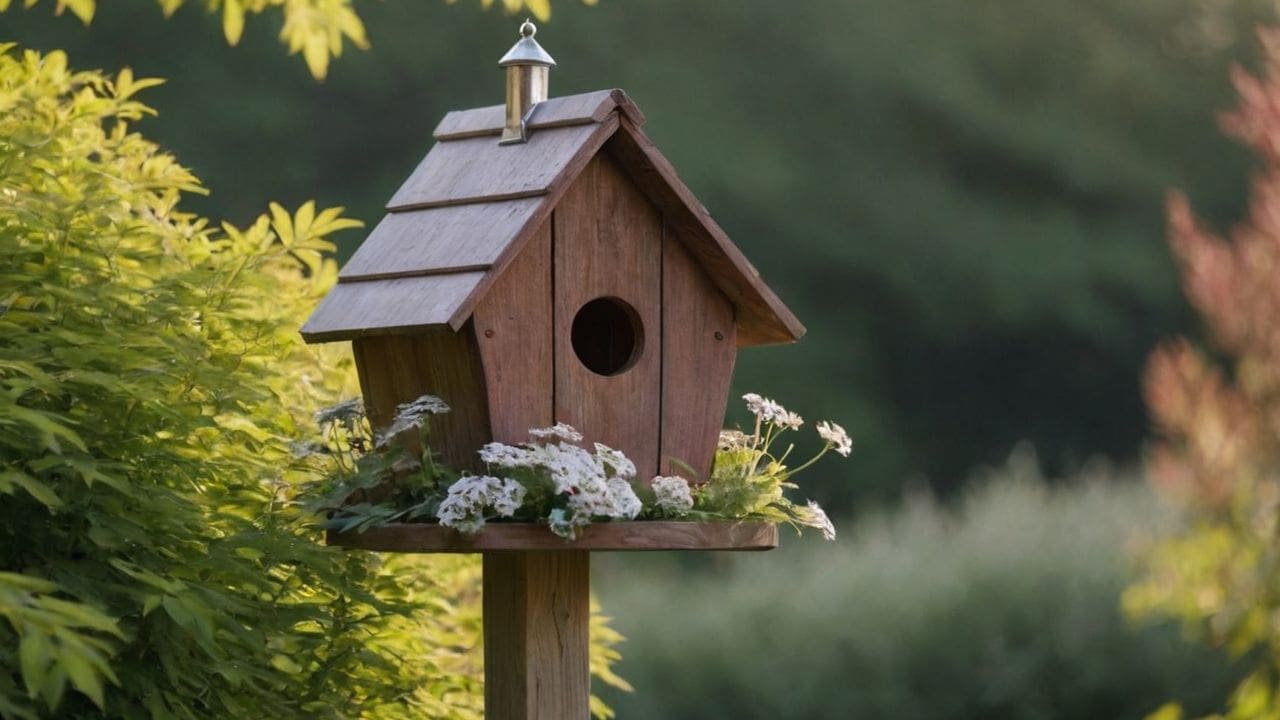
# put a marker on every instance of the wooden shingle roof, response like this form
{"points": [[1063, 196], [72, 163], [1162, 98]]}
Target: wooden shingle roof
{"points": [[470, 205]]}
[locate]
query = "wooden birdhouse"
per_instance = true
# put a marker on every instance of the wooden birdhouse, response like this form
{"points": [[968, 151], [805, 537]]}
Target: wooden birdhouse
{"points": [[569, 276], [545, 264]]}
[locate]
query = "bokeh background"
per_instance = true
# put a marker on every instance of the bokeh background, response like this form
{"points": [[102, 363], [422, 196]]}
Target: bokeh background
{"points": [[962, 201]]}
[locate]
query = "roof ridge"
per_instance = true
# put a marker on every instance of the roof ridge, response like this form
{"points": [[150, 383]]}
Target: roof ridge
{"points": [[561, 111]]}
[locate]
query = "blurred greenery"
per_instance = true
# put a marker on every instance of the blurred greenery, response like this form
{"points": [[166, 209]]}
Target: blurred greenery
{"points": [[1005, 608], [962, 200]]}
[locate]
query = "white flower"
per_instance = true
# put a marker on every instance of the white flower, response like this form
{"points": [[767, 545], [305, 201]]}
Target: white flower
{"points": [[421, 407], [614, 459], [836, 437], [474, 497], [672, 494], [771, 412], [506, 456], [559, 431], [733, 440], [411, 415], [346, 410], [788, 419], [818, 519], [625, 501]]}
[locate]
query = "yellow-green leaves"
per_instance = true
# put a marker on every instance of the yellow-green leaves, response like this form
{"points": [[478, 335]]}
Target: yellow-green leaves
{"points": [[316, 29]]}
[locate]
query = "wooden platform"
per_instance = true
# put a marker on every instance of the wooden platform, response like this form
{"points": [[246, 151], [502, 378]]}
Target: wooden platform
{"points": [[625, 536]]}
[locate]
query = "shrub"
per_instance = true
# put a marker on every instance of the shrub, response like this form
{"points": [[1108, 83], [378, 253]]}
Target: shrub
{"points": [[1007, 607]]}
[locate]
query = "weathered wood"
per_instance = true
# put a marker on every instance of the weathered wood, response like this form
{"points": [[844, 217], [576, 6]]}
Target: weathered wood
{"points": [[698, 350], [607, 242], [761, 317], [479, 169], [439, 240], [395, 369], [592, 107], [513, 328], [639, 536], [557, 191], [399, 305], [537, 616]]}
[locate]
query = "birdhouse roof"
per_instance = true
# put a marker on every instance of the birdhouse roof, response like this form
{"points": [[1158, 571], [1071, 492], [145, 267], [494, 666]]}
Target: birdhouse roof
{"points": [[471, 204]]}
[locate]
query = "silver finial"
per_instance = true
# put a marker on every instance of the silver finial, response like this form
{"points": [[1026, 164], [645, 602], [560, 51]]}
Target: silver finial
{"points": [[528, 29], [528, 68]]}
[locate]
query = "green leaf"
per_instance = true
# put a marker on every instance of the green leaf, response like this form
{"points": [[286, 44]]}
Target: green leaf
{"points": [[34, 656], [39, 491], [83, 676]]}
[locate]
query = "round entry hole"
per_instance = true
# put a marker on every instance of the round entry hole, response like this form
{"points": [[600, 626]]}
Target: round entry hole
{"points": [[607, 336]]}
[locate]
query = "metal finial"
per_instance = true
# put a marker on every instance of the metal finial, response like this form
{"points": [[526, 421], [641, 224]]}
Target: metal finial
{"points": [[526, 51]]}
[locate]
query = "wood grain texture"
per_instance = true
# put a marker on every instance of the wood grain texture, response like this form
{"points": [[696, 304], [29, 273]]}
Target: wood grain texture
{"points": [[439, 240], [395, 369], [639, 536], [559, 187], [762, 318], [400, 305], [555, 112], [607, 242], [536, 635], [698, 351], [513, 329], [479, 169]]}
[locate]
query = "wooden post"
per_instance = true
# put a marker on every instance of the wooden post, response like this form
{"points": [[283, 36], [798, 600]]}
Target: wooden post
{"points": [[536, 621]]}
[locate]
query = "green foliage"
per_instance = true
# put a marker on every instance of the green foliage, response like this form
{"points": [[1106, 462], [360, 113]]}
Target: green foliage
{"points": [[315, 28], [1219, 455], [154, 559], [1005, 606]]}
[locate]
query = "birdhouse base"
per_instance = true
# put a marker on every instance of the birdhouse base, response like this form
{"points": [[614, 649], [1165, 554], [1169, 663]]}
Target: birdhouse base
{"points": [[605, 536]]}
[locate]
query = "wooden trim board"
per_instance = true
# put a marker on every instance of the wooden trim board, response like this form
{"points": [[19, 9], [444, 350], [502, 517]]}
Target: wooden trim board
{"points": [[641, 535]]}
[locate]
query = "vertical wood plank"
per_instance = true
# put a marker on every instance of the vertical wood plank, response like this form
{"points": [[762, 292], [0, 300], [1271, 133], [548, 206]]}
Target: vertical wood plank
{"points": [[608, 243], [513, 329], [536, 624], [698, 351], [395, 369]]}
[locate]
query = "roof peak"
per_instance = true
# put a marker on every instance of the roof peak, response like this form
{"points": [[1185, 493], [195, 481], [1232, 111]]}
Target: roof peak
{"points": [[527, 51]]}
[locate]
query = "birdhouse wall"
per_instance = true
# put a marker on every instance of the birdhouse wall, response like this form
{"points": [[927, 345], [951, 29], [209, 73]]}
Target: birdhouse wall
{"points": [[395, 369], [698, 349], [607, 243], [513, 328]]}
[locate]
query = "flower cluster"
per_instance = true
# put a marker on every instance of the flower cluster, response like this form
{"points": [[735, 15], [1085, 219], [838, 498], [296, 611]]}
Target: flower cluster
{"points": [[474, 498], [582, 485], [412, 415], [768, 411], [672, 495]]}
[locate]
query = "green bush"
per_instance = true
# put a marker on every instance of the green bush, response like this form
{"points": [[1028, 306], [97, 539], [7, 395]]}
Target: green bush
{"points": [[1005, 607]]}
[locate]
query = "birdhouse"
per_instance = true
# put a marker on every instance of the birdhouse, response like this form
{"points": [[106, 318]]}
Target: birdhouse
{"points": [[542, 264]]}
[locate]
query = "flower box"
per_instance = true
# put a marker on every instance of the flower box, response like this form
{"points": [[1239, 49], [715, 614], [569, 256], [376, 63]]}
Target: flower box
{"points": [[624, 535]]}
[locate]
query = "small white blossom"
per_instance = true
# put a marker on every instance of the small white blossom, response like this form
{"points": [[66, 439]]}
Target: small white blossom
{"points": [[818, 519], [733, 440], [474, 497], [767, 410], [836, 436], [506, 456], [411, 415], [789, 420], [559, 431], [347, 410], [672, 494], [620, 464]]}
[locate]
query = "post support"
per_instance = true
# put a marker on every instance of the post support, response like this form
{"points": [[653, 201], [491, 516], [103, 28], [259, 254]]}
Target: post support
{"points": [[536, 622]]}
